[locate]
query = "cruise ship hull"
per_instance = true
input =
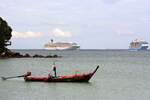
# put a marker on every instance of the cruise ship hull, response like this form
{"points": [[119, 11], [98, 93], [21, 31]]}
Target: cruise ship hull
{"points": [[63, 48], [60, 49], [139, 49]]}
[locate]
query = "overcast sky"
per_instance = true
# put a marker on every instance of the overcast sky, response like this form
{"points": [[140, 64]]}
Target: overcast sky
{"points": [[93, 24]]}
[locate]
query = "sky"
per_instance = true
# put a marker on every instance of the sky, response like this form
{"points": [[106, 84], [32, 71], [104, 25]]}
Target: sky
{"points": [[93, 24]]}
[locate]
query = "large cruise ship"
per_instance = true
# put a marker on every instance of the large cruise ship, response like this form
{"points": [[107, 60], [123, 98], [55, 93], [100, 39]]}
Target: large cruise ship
{"points": [[137, 45], [61, 46]]}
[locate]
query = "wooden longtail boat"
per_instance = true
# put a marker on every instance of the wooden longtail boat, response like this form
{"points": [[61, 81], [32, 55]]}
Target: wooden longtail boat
{"points": [[85, 77]]}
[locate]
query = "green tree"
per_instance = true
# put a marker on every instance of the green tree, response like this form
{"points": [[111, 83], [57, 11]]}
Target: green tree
{"points": [[5, 35]]}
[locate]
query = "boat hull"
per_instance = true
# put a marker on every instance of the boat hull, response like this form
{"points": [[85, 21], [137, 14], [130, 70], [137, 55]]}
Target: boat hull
{"points": [[70, 78], [143, 48], [63, 48], [74, 78]]}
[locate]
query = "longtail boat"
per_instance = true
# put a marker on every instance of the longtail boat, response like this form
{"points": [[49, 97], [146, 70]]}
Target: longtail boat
{"points": [[85, 77]]}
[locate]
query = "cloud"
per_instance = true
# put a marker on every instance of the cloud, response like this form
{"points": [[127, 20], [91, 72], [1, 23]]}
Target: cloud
{"points": [[59, 33], [28, 34], [124, 32], [110, 1]]}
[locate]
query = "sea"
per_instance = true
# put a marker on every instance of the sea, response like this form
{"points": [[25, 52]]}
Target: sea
{"points": [[123, 75]]}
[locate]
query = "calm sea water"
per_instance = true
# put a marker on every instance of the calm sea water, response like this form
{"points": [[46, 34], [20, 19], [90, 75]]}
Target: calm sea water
{"points": [[123, 75]]}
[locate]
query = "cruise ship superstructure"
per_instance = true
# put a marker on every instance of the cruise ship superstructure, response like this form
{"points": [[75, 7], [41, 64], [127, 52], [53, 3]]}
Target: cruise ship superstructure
{"points": [[138, 45], [61, 46]]}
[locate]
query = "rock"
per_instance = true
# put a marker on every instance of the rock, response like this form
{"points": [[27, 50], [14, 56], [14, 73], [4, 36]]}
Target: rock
{"points": [[49, 56], [11, 55], [52, 56], [18, 55], [26, 55], [38, 56], [55, 56]]}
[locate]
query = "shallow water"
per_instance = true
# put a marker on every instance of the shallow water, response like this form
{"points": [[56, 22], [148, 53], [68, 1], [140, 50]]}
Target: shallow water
{"points": [[122, 75]]}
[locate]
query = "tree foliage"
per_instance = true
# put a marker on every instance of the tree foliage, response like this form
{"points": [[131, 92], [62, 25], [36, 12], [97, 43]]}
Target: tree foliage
{"points": [[5, 35]]}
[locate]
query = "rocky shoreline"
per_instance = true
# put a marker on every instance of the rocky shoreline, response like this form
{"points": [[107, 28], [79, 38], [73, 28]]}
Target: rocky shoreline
{"points": [[18, 55]]}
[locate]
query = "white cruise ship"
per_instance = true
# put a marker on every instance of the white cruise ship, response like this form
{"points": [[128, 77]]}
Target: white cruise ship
{"points": [[61, 46], [137, 45]]}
